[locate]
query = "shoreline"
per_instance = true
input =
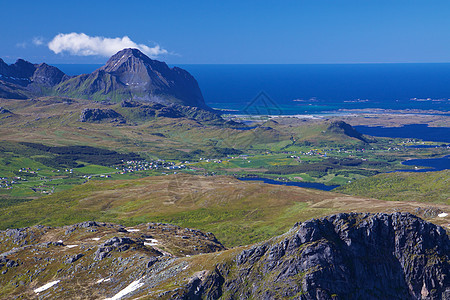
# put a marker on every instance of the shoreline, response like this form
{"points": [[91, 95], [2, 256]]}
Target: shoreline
{"points": [[357, 117]]}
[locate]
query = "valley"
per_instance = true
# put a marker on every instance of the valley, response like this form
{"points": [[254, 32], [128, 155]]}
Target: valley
{"points": [[284, 149], [123, 183]]}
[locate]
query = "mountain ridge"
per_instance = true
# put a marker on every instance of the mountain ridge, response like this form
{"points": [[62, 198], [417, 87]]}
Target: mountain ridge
{"points": [[342, 256], [127, 75]]}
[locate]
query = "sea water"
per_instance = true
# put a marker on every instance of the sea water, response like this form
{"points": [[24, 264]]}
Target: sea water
{"points": [[318, 89], [315, 88]]}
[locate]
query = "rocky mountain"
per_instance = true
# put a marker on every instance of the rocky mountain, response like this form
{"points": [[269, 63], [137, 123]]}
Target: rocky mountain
{"points": [[24, 79], [344, 256], [128, 75]]}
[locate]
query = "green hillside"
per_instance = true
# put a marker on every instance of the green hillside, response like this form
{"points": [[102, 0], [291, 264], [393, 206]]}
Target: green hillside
{"points": [[430, 187], [237, 212]]}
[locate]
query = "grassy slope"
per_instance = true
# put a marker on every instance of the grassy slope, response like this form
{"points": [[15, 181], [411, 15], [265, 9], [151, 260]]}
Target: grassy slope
{"points": [[54, 121], [257, 211], [423, 187], [238, 213]]}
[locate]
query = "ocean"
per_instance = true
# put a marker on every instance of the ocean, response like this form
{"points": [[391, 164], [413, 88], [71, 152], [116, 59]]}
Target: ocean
{"points": [[317, 89]]}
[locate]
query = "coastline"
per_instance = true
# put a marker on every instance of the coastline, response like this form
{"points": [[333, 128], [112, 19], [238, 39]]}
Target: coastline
{"points": [[361, 117]]}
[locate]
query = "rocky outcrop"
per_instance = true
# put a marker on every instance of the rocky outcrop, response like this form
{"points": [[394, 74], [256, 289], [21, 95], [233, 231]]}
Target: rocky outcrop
{"points": [[119, 244], [4, 111], [101, 115], [345, 256], [138, 111], [95, 260], [340, 127]]}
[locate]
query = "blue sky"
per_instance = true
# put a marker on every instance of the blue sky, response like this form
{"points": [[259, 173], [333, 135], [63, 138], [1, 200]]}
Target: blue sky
{"points": [[227, 32]]}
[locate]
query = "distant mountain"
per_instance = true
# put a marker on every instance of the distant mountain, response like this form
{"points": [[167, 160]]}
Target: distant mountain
{"points": [[128, 75], [23, 79]]}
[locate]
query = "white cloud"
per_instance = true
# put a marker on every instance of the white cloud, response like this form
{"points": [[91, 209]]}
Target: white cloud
{"points": [[83, 45], [38, 41], [21, 45]]}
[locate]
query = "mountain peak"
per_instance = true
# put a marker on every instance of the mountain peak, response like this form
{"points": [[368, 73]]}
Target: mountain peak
{"points": [[131, 52], [149, 80], [131, 55], [128, 74]]}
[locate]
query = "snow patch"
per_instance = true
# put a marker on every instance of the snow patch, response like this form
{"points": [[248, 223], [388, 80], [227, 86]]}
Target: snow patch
{"points": [[118, 61], [442, 215], [96, 239], [47, 286], [152, 242], [71, 246], [133, 230], [130, 288], [103, 280]]}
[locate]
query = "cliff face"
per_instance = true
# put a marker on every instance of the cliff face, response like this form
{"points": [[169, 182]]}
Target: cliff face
{"points": [[129, 74], [345, 256]]}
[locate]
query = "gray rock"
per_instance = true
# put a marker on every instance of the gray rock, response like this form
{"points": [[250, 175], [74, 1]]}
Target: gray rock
{"points": [[152, 261], [101, 115], [101, 253], [344, 256], [11, 263], [4, 111], [74, 258], [119, 244]]}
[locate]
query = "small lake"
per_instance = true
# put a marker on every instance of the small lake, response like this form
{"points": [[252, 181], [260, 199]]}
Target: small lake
{"points": [[310, 185], [413, 131], [245, 128], [428, 146], [434, 164]]}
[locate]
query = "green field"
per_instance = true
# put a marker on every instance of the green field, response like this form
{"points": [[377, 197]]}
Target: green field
{"points": [[99, 171], [429, 187], [219, 204]]}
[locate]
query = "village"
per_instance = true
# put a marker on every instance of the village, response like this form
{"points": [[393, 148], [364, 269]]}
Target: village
{"points": [[49, 180], [44, 181]]}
